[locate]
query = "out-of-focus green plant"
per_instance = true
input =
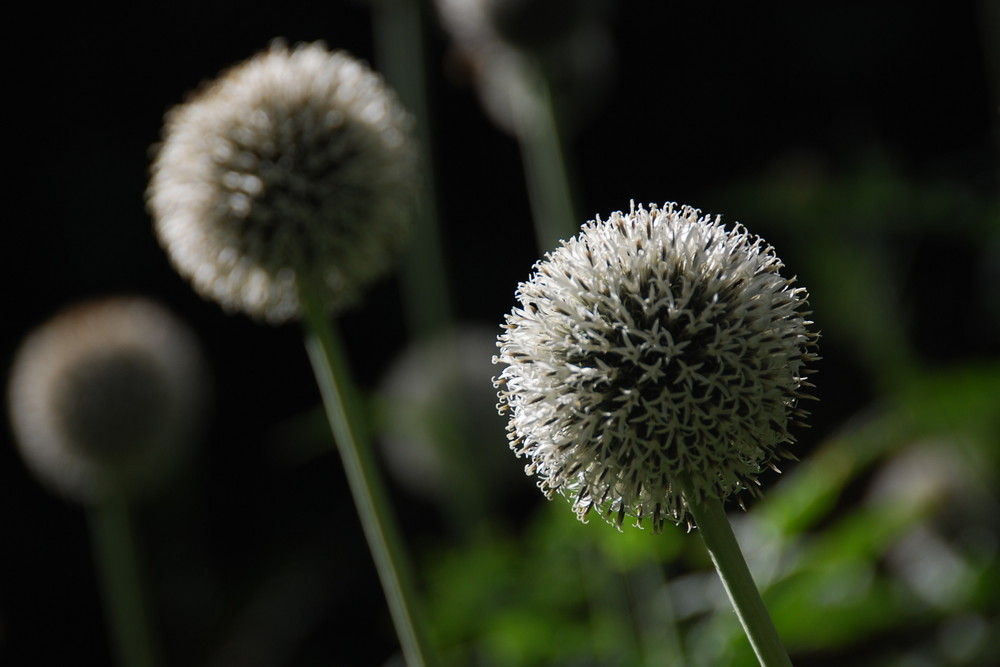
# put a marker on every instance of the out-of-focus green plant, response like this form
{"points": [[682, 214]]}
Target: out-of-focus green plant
{"points": [[905, 566], [883, 543], [557, 593], [855, 233]]}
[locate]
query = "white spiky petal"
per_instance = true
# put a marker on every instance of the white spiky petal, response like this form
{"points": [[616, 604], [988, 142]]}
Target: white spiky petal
{"points": [[654, 347], [297, 161]]}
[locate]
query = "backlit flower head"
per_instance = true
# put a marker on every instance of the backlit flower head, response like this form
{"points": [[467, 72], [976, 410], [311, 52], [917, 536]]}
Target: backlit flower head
{"points": [[104, 397], [654, 347], [296, 162]]}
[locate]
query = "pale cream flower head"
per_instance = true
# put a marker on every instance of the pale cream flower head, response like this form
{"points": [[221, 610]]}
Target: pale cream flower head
{"points": [[106, 397], [653, 347], [295, 162]]}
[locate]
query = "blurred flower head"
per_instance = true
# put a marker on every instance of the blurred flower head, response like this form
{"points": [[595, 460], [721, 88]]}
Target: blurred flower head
{"points": [[500, 43], [438, 420], [104, 398], [297, 162], [654, 347]]}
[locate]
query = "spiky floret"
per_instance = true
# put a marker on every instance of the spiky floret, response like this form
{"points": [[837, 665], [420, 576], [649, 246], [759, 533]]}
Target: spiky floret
{"points": [[654, 347], [105, 397], [296, 161]]}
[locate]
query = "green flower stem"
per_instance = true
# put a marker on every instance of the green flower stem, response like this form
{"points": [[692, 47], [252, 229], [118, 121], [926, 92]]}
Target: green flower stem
{"points": [[399, 51], [544, 163], [115, 555], [718, 536], [398, 27], [343, 413]]}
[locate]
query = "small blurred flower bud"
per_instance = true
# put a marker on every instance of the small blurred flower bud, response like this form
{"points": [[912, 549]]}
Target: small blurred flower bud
{"points": [[438, 419], [104, 399]]}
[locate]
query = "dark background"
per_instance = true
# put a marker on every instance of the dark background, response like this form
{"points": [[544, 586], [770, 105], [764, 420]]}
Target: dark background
{"points": [[704, 94]]}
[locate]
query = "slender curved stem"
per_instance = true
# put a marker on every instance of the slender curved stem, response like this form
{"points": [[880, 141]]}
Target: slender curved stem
{"points": [[399, 52], [342, 410], [718, 536], [544, 162], [118, 565]]}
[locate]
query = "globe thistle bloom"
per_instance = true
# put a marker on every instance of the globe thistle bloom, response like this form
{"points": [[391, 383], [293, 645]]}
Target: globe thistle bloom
{"points": [[105, 396], [296, 163], [654, 350]]}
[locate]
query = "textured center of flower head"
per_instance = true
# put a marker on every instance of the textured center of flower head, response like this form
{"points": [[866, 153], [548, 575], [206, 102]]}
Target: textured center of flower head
{"points": [[653, 347], [293, 182], [113, 405]]}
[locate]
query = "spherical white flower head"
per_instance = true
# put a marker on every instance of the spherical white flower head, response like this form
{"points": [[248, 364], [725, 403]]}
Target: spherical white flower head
{"points": [[654, 347], [104, 398], [297, 162]]}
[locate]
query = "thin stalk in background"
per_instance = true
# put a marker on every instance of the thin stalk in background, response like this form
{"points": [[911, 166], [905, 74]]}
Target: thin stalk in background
{"points": [[113, 544], [344, 414], [656, 623], [399, 46], [717, 534], [544, 161], [398, 27]]}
